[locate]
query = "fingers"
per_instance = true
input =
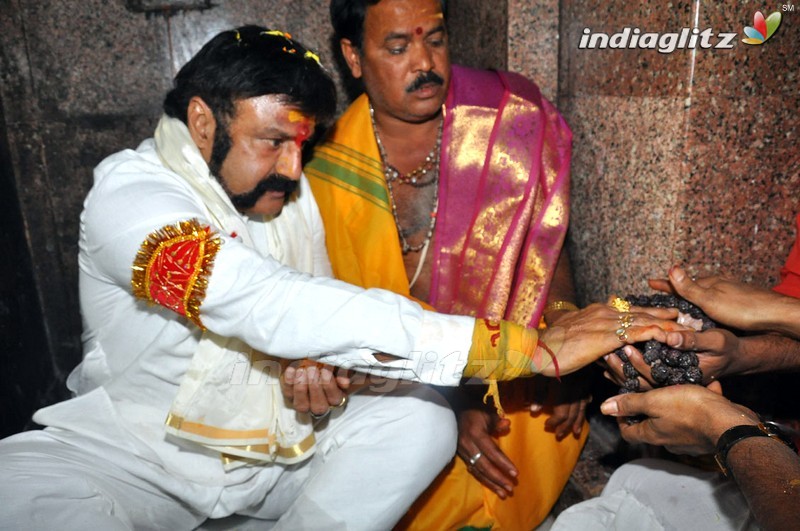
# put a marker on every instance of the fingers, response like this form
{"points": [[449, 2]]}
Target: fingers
{"points": [[614, 371], [621, 370], [313, 388], [300, 396], [344, 378], [317, 395], [661, 284], [683, 339], [636, 334], [709, 341], [492, 468], [562, 419], [664, 314], [537, 393], [685, 286], [287, 384], [501, 427], [324, 391], [626, 405], [480, 453], [636, 360], [567, 419], [580, 420], [715, 386]]}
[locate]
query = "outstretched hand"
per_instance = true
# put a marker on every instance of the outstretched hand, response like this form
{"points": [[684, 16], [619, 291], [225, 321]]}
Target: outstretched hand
{"points": [[686, 419], [730, 303], [581, 337], [718, 352]]}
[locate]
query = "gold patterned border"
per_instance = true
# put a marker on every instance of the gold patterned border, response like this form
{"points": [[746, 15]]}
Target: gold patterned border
{"points": [[160, 241]]}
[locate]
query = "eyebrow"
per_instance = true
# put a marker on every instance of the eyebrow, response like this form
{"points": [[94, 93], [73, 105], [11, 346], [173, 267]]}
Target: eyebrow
{"points": [[407, 36], [274, 132]]}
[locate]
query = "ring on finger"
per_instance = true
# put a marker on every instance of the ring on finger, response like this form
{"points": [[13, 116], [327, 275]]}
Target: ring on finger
{"points": [[342, 402], [625, 322], [474, 459], [320, 416], [621, 305]]}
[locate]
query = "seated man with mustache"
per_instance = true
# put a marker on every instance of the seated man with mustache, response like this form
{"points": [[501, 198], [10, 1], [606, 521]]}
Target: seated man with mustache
{"points": [[189, 277], [451, 185]]}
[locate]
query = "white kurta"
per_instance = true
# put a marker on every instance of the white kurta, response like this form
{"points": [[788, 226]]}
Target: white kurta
{"points": [[136, 354]]}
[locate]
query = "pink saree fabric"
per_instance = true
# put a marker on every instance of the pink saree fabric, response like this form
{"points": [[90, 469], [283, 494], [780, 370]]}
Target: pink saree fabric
{"points": [[504, 197]]}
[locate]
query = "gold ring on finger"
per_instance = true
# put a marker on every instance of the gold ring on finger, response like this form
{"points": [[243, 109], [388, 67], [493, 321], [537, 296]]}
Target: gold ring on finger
{"points": [[621, 305], [342, 402]]}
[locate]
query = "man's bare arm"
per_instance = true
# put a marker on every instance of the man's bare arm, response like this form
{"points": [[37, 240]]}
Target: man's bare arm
{"points": [[689, 419], [768, 474]]}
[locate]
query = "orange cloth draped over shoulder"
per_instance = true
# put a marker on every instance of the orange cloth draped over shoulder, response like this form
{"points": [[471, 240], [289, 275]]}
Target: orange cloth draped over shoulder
{"points": [[504, 185]]}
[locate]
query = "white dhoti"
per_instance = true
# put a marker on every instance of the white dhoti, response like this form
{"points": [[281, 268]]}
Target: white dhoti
{"points": [[388, 446], [659, 495]]}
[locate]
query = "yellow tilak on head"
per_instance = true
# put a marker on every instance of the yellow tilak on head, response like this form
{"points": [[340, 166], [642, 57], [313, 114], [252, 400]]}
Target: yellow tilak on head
{"points": [[277, 33], [312, 55], [290, 49]]}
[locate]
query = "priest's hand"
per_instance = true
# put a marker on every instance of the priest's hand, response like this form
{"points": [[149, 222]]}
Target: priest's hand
{"points": [[477, 427], [686, 419]]}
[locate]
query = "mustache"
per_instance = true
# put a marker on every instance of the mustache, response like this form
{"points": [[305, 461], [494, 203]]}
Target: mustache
{"points": [[424, 79], [272, 183]]}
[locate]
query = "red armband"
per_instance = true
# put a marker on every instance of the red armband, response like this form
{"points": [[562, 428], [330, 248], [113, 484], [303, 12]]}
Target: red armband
{"points": [[173, 265]]}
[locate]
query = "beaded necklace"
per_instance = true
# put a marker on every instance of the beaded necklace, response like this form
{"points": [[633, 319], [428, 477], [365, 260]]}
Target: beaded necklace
{"points": [[430, 165]]}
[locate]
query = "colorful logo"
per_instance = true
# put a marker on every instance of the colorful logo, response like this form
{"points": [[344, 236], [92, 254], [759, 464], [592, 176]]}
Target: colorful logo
{"points": [[762, 28]]}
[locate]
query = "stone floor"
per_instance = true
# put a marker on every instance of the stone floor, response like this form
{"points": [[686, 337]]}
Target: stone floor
{"points": [[603, 453]]}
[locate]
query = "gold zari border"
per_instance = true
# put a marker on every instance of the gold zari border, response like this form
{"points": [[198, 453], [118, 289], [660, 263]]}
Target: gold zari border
{"points": [[162, 238]]}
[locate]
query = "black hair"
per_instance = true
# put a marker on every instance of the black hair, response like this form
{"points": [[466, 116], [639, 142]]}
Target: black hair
{"points": [[252, 61], [347, 17]]}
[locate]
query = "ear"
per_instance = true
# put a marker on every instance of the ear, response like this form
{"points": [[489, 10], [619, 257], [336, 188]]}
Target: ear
{"points": [[352, 56], [202, 125]]}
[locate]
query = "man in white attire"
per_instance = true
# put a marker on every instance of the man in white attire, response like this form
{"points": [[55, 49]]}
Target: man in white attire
{"points": [[188, 275]]}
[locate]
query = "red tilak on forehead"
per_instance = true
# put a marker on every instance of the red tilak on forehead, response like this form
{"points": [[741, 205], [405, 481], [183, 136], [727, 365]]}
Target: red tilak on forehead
{"points": [[419, 30], [303, 132]]}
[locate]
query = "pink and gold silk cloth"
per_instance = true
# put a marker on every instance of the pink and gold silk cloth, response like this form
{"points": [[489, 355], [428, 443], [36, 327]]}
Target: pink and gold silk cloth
{"points": [[503, 215]]}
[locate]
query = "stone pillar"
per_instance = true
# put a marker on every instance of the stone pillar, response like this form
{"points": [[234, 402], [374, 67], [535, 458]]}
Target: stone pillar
{"points": [[82, 79]]}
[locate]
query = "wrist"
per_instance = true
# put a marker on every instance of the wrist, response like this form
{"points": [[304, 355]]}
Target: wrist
{"points": [[716, 427], [747, 359], [787, 317], [556, 309], [736, 434]]}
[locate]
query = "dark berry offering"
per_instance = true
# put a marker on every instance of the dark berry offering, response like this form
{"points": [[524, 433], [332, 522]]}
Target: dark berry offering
{"points": [[668, 366]]}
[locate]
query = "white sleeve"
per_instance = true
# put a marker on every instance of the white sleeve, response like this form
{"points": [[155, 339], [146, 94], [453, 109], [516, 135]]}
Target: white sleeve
{"points": [[322, 264], [271, 307]]}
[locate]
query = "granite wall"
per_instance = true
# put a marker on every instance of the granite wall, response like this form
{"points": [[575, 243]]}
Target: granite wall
{"points": [[684, 157], [681, 157]]}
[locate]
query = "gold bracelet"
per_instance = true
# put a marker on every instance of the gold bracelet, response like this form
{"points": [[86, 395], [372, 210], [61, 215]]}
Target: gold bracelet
{"points": [[559, 306]]}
